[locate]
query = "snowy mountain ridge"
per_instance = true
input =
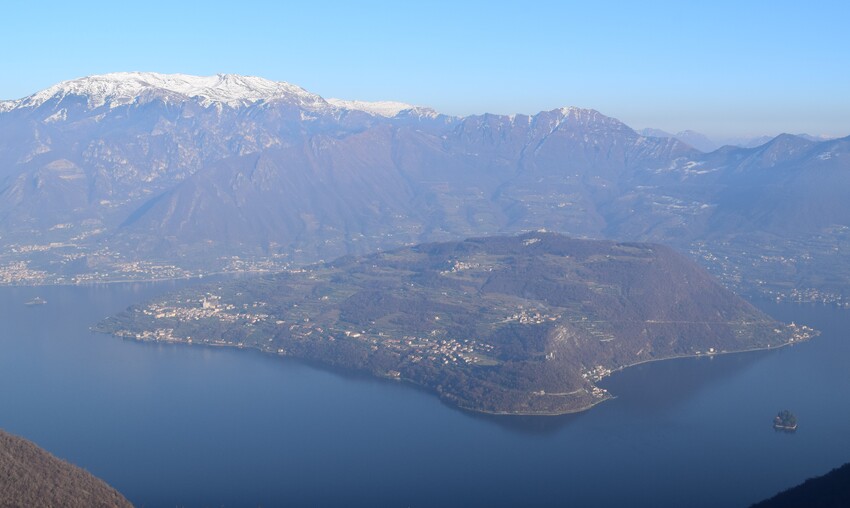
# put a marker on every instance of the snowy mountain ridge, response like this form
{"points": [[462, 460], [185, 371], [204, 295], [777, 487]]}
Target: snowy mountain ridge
{"points": [[233, 90], [120, 88], [387, 109]]}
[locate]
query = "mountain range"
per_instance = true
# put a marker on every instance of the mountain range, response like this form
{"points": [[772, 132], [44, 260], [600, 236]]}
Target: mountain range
{"points": [[143, 175], [705, 144]]}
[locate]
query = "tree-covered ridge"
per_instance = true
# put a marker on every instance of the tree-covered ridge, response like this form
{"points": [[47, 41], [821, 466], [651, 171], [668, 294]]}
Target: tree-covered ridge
{"points": [[831, 490], [32, 477], [520, 325]]}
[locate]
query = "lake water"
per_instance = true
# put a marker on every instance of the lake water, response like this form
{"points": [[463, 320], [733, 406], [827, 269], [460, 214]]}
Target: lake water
{"points": [[172, 425]]}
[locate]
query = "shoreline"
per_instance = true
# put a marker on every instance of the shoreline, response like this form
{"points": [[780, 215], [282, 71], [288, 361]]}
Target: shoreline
{"points": [[748, 295], [364, 373], [131, 281], [711, 355], [623, 368], [543, 415], [448, 399]]}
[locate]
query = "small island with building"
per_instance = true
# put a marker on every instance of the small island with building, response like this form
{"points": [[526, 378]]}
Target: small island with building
{"points": [[785, 421]]}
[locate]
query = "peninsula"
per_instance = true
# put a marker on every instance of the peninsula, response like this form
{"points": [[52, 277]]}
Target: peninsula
{"points": [[510, 325]]}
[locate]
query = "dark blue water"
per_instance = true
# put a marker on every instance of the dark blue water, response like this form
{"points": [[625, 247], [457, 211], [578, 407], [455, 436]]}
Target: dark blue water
{"points": [[189, 426]]}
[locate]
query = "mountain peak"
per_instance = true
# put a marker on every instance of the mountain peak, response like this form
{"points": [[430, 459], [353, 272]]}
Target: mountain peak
{"points": [[120, 88], [584, 117], [387, 109]]}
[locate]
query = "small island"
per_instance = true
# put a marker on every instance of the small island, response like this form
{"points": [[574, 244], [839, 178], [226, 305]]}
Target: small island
{"points": [[785, 421], [509, 325]]}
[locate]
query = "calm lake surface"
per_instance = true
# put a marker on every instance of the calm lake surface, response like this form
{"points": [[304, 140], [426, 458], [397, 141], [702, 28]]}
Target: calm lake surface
{"points": [[172, 425]]}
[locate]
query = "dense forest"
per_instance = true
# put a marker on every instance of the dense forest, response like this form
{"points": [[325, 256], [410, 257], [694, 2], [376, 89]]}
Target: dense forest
{"points": [[32, 477]]}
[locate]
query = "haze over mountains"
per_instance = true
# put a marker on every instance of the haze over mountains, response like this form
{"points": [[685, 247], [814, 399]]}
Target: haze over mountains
{"points": [[705, 144], [136, 175]]}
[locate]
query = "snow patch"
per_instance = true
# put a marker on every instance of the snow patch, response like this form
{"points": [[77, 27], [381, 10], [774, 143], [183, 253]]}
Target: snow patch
{"points": [[59, 116]]}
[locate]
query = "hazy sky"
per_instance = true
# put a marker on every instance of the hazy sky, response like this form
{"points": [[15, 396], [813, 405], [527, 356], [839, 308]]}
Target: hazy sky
{"points": [[721, 68]]}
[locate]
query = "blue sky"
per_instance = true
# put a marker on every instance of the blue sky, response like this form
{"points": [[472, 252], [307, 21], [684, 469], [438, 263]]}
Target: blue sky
{"points": [[721, 68]]}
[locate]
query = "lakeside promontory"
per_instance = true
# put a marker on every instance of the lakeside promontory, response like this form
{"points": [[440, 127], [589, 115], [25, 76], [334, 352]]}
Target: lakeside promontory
{"points": [[515, 325]]}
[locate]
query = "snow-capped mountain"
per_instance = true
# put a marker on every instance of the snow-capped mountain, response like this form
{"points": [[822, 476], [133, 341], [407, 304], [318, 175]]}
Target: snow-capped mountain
{"points": [[122, 88], [232, 90], [149, 152], [388, 109], [144, 166]]}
